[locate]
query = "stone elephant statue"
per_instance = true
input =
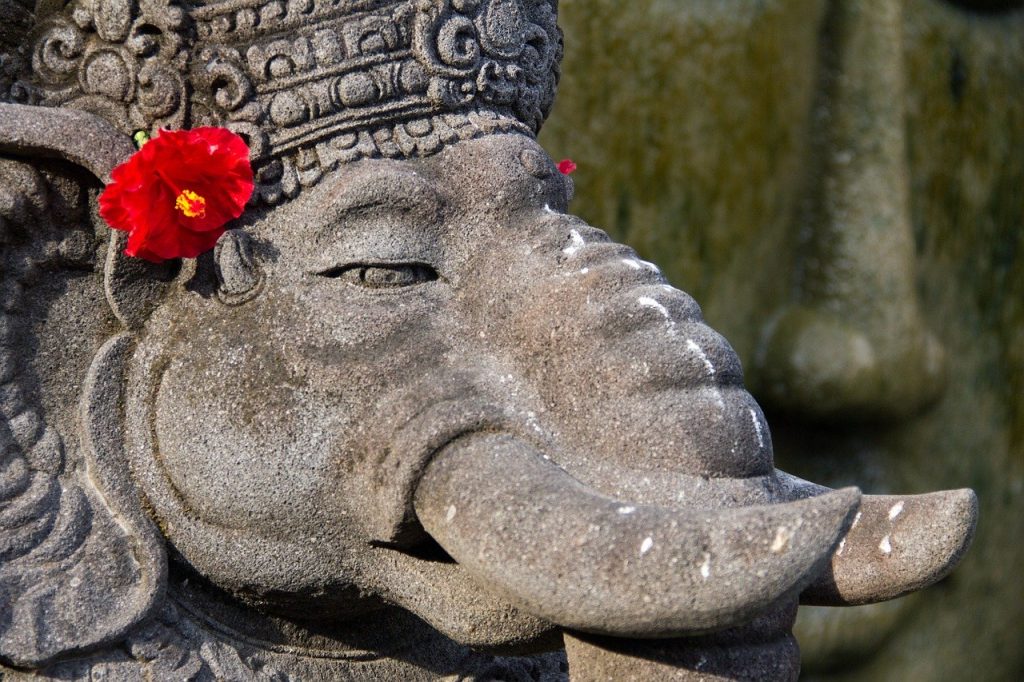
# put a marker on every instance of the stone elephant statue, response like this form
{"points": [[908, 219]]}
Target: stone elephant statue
{"points": [[418, 422]]}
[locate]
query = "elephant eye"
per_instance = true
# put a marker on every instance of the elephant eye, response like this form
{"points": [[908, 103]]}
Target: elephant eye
{"points": [[382, 275]]}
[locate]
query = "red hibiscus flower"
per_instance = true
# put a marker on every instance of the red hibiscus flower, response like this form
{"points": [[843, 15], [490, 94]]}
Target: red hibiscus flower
{"points": [[175, 195], [566, 166]]}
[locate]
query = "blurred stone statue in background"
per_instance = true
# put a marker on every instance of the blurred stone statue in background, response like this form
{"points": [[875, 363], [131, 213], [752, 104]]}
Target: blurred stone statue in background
{"points": [[841, 185]]}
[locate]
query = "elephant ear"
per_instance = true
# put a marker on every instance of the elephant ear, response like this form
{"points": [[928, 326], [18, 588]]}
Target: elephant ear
{"points": [[80, 562]]}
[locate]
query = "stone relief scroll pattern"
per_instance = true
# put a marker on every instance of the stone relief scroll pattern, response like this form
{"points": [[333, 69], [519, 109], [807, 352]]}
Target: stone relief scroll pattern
{"points": [[53, 528], [309, 83], [33, 451], [122, 60]]}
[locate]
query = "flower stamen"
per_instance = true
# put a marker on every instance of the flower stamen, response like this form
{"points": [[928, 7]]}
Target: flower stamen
{"points": [[191, 204]]}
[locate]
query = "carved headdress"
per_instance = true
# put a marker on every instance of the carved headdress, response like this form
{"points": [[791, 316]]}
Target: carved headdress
{"points": [[309, 83]]}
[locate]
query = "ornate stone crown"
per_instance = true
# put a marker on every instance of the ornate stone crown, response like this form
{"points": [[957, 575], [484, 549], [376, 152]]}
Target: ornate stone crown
{"points": [[309, 83]]}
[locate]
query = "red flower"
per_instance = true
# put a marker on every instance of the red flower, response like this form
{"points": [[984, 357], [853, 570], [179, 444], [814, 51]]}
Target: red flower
{"points": [[566, 166], [174, 196]]}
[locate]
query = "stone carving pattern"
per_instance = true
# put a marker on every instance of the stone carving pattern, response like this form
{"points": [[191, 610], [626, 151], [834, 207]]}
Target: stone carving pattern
{"points": [[310, 83], [123, 60], [46, 515]]}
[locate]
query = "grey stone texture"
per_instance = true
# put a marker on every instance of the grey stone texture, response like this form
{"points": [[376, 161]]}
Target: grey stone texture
{"points": [[410, 419]]}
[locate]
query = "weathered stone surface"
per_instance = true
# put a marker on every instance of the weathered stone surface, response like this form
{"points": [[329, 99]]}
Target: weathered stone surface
{"points": [[727, 164], [409, 419]]}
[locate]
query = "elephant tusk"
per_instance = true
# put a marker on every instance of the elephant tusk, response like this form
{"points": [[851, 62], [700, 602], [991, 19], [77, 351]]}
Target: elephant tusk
{"points": [[525, 529], [897, 544]]}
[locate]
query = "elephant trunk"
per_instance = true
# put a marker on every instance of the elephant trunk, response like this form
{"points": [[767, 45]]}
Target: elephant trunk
{"points": [[525, 529]]}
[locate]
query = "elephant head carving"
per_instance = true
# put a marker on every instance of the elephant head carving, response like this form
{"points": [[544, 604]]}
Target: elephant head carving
{"points": [[417, 396]]}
